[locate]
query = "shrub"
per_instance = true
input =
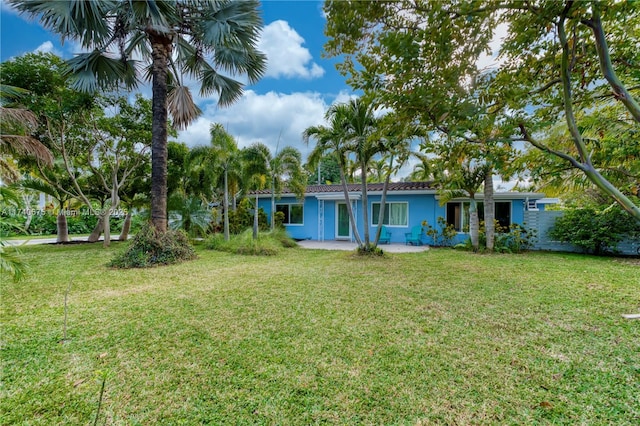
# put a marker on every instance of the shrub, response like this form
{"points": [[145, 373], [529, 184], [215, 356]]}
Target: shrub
{"points": [[267, 244], [443, 234], [369, 251], [593, 229], [151, 248], [242, 218], [515, 239]]}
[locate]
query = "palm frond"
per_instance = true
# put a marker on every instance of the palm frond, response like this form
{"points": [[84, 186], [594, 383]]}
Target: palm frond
{"points": [[228, 89], [236, 60], [18, 116], [96, 70], [11, 262], [182, 107], [9, 172], [81, 20]]}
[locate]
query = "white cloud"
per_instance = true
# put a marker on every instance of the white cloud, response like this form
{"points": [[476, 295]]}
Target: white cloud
{"points": [[262, 118], [46, 47], [285, 54]]}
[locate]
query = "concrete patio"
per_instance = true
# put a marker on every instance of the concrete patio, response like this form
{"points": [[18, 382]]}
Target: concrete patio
{"points": [[348, 246]]}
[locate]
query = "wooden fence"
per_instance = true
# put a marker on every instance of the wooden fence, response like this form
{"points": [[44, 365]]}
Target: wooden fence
{"points": [[542, 221]]}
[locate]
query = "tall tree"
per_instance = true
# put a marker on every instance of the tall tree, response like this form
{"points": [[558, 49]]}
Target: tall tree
{"points": [[331, 141], [189, 38], [255, 174], [458, 172], [282, 169], [412, 56], [225, 149]]}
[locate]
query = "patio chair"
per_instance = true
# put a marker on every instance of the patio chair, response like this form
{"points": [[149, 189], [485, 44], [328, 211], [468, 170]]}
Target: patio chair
{"points": [[385, 236], [414, 237]]}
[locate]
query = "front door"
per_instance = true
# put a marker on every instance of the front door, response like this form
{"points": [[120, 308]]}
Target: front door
{"points": [[343, 225]]}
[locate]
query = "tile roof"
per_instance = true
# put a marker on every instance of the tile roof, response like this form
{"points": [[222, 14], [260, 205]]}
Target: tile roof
{"points": [[355, 187]]}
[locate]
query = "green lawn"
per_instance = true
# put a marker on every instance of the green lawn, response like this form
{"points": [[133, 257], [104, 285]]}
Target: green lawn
{"points": [[309, 337]]}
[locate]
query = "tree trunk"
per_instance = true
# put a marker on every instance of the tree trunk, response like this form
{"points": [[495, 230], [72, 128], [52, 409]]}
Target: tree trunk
{"points": [[126, 226], [97, 230], [354, 226], [383, 202], [365, 205], [26, 200], [489, 211], [225, 204], [107, 228], [273, 202], [61, 228], [473, 224], [160, 52], [27, 222], [255, 220]]}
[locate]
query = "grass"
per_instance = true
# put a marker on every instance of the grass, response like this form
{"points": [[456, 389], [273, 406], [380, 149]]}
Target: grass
{"points": [[311, 336]]}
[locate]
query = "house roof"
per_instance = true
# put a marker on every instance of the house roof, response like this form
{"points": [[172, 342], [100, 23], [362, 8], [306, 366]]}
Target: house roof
{"points": [[355, 187]]}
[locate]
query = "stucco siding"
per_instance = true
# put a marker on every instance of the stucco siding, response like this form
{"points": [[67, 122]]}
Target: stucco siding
{"points": [[420, 207]]}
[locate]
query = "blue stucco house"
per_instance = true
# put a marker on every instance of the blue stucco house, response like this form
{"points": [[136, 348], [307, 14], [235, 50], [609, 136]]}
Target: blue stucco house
{"points": [[322, 214]]}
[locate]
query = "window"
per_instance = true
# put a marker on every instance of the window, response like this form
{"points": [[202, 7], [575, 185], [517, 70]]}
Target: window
{"points": [[293, 213], [395, 214], [458, 214]]}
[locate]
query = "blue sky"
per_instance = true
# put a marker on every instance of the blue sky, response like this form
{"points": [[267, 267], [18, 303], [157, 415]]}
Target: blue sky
{"points": [[295, 92]]}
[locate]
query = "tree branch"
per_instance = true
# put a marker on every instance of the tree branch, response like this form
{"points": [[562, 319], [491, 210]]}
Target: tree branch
{"points": [[527, 137], [619, 90]]}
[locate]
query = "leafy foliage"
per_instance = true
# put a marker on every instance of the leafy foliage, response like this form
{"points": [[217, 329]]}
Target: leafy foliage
{"points": [[559, 60], [242, 218], [515, 239], [267, 244], [151, 248], [442, 234], [593, 229]]}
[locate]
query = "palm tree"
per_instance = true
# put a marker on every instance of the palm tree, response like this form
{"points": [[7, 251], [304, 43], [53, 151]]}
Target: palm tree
{"points": [[282, 169], [16, 125], [358, 135], [225, 149], [255, 174], [176, 39], [330, 141]]}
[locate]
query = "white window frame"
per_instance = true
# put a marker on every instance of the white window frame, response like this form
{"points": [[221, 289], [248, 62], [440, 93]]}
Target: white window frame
{"points": [[288, 219], [374, 218]]}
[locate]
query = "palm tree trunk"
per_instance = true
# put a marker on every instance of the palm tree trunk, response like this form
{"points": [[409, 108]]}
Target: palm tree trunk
{"points": [[273, 202], [160, 52], [354, 226], [62, 229], [383, 202], [225, 205], [489, 211], [473, 224], [365, 204], [255, 220], [126, 226]]}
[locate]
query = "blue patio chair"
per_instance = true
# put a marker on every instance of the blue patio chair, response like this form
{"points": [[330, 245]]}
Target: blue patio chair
{"points": [[385, 236], [414, 237]]}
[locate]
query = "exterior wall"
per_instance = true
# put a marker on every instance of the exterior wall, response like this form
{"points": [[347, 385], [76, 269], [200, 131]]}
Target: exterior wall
{"points": [[421, 207]]}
